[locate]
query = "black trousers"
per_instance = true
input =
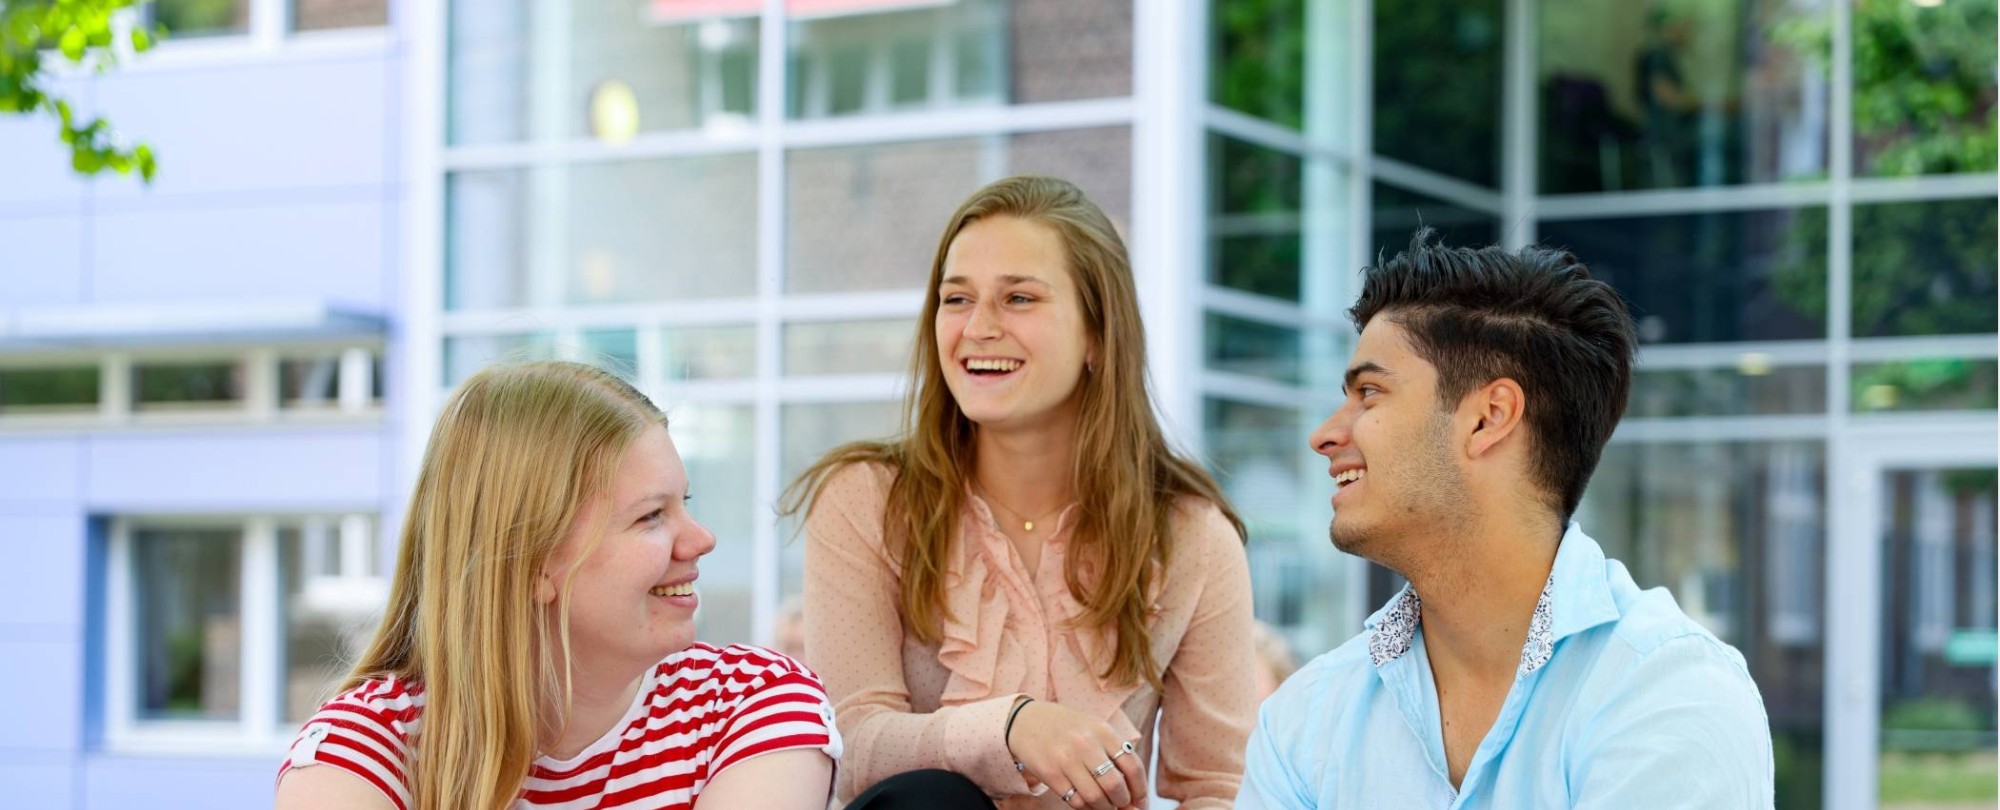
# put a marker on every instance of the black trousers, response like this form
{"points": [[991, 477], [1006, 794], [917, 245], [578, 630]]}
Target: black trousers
{"points": [[923, 790]]}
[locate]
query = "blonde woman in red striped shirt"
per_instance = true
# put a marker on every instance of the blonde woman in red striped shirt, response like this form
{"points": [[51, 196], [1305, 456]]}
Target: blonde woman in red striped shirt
{"points": [[538, 649]]}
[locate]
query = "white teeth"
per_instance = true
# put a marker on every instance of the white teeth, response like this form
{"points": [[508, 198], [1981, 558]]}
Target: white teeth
{"points": [[1349, 476], [992, 365], [683, 589]]}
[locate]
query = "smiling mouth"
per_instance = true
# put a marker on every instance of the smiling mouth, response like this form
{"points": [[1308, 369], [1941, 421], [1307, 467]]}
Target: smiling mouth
{"points": [[991, 367], [683, 589], [1349, 477]]}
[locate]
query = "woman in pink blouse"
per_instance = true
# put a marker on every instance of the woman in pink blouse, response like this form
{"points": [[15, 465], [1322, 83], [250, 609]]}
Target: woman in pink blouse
{"points": [[1013, 589]]}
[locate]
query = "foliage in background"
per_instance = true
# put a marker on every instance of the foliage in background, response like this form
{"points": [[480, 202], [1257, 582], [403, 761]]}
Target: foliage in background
{"points": [[80, 32], [1923, 105]]}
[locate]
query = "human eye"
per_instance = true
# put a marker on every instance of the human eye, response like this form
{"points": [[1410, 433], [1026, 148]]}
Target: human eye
{"points": [[652, 518]]}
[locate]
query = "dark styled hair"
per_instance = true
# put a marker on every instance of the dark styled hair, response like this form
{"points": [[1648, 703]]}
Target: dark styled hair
{"points": [[1535, 317]]}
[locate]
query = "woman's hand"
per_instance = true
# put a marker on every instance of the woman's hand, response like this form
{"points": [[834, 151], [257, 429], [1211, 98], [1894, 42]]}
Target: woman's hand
{"points": [[1067, 749]]}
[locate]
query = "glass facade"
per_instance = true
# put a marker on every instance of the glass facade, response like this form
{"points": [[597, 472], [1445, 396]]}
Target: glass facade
{"points": [[738, 212]]}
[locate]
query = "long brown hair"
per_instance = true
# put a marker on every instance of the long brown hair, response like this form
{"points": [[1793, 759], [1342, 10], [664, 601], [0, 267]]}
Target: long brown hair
{"points": [[1125, 475], [516, 455]]}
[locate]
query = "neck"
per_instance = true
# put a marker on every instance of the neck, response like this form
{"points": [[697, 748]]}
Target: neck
{"points": [[1028, 470], [1479, 598], [599, 699]]}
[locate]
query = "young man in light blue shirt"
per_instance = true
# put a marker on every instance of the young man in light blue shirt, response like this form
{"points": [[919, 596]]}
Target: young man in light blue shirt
{"points": [[1520, 668]]}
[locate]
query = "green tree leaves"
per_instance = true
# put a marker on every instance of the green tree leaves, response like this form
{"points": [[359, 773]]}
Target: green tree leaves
{"points": [[86, 34]]}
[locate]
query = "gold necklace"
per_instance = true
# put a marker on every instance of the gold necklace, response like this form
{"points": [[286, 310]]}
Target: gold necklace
{"points": [[1027, 523]]}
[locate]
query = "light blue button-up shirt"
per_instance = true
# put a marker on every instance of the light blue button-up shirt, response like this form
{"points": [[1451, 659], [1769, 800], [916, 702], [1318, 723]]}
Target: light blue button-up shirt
{"points": [[1621, 701]]}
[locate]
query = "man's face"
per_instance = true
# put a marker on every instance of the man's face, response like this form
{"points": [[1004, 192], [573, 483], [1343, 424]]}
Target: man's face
{"points": [[1391, 450]]}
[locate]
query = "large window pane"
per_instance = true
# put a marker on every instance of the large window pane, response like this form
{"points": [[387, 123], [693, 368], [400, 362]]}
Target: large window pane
{"points": [[56, 388], [624, 232], [1923, 87], [1715, 277], [1257, 218], [1736, 531], [1679, 93], [1259, 59], [1256, 453], [1937, 702], [608, 69], [718, 444], [187, 19], [1925, 268], [848, 347], [1754, 386], [189, 620], [465, 354], [709, 352], [809, 429], [316, 15], [1936, 384], [187, 385], [1255, 348], [869, 217], [333, 601], [1398, 213], [1437, 86]]}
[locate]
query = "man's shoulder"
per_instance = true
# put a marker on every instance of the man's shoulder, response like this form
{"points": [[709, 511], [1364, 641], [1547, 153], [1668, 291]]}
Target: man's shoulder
{"points": [[1324, 684], [1655, 649]]}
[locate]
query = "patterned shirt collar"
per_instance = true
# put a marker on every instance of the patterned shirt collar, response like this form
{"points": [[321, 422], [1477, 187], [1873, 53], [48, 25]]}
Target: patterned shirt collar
{"points": [[1578, 574]]}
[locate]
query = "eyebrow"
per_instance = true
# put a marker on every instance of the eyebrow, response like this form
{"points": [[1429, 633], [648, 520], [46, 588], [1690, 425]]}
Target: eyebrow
{"points": [[1006, 279], [648, 500], [1364, 367]]}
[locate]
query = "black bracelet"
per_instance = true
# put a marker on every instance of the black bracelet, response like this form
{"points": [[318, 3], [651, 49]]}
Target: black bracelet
{"points": [[1007, 737]]}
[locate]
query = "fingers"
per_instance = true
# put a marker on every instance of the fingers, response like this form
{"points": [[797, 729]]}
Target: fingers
{"points": [[1134, 771]]}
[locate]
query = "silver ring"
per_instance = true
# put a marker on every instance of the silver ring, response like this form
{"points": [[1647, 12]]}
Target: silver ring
{"points": [[1067, 796], [1122, 752], [1105, 768]]}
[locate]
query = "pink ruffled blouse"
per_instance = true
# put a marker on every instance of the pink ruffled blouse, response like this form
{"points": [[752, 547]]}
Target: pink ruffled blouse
{"points": [[902, 705]]}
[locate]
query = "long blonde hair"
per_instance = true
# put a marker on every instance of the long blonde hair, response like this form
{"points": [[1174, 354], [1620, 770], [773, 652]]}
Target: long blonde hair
{"points": [[516, 454], [1124, 474]]}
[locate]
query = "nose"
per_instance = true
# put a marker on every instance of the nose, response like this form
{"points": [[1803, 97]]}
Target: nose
{"points": [[1334, 433], [984, 322], [694, 542]]}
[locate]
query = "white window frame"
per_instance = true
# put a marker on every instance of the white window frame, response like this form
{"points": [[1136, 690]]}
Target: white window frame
{"points": [[260, 729], [262, 402]]}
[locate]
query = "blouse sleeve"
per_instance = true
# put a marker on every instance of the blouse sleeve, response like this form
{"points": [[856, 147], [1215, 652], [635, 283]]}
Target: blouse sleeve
{"points": [[1210, 700], [854, 639]]}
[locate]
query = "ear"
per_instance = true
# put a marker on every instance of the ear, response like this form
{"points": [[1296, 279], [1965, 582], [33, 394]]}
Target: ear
{"points": [[1495, 411], [545, 588]]}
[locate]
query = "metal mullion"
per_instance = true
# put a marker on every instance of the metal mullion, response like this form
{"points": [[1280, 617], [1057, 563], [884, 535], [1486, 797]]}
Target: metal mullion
{"points": [[260, 611], [1518, 93], [772, 78], [1671, 430], [685, 143], [1722, 355], [842, 388], [1877, 350], [1277, 137], [1408, 177], [833, 307], [1266, 310], [1234, 387], [531, 319], [1920, 189], [926, 125], [1683, 201], [1853, 592]]}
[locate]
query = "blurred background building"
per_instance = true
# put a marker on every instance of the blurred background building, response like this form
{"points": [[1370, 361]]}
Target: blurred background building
{"points": [[213, 391]]}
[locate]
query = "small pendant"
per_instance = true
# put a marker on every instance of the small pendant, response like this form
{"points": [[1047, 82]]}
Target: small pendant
{"points": [[1028, 526]]}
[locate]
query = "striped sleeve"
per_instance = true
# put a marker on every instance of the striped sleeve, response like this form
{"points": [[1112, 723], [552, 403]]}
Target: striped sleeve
{"points": [[362, 732], [782, 707]]}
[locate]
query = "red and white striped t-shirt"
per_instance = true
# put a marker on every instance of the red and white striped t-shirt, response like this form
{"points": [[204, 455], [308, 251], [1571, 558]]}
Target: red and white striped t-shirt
{"points": [[700, 711]]}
